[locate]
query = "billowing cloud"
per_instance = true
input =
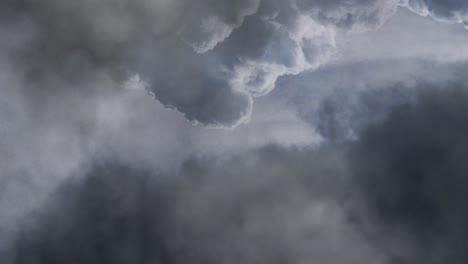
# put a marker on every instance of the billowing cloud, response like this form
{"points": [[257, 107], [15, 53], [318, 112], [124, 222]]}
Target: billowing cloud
{"points": [[355, 162], [207, 59], [453, 11], [395, 194], [354, 14]]}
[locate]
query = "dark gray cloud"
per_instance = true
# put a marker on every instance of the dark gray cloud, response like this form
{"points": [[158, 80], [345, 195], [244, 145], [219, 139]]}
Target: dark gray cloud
{"points": [[114, 215], [394, 194], [411, 172], [63, 45], [64, 67], [207, 59], [406, 156]]}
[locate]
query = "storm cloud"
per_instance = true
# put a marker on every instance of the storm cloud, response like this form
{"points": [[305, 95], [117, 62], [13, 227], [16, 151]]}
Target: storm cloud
{"points": [[207, 59], [272, 205], [353, 153], [393, 195], [412, 174]]}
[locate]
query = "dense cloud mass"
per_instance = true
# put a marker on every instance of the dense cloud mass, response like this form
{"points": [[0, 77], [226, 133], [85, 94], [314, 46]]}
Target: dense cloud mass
{"points": [[354, 152], [271, 206], [394, 195], [412, 171]]}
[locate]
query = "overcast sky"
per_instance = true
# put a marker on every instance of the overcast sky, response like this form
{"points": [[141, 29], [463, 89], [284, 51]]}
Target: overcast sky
{"points": [[233, 131]]}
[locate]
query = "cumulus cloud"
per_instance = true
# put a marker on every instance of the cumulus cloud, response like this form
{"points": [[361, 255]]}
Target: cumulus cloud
{"points": [[207, 59], [340, 101], [42, 145]]}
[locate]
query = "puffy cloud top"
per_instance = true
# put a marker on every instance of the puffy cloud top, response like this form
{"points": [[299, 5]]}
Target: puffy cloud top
{"points": [[207, 59]]}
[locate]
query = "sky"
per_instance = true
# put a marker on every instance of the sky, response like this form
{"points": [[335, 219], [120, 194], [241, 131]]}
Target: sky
{"points": [[233, 131]]}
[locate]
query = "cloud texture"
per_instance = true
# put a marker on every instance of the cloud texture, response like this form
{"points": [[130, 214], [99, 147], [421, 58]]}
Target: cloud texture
{"points": [[413, 175], [207, 59], [357, 156], [209, 212], [394, 195]]}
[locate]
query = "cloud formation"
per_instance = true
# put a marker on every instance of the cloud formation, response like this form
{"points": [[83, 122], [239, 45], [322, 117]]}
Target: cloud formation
{"points": [[208, 212], [355, 162], [207, 59], [393, 195]]}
